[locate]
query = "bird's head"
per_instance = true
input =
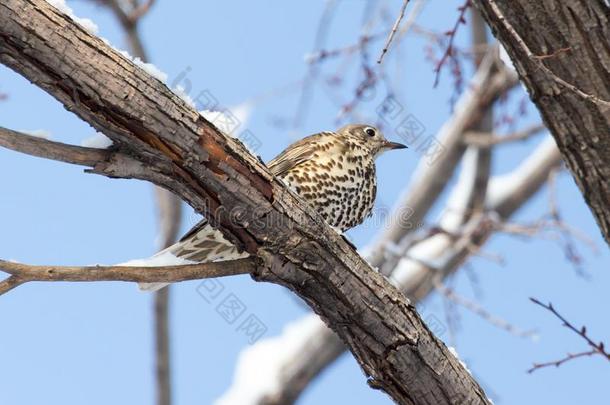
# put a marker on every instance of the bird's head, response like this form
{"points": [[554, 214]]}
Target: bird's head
{"points": [[368, 138]]}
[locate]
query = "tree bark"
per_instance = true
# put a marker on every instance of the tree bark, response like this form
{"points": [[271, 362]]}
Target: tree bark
{"points": [[173, 146], [561, 50]]}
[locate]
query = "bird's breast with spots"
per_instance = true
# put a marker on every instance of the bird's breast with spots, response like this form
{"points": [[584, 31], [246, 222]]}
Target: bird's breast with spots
{"points": [[340, 186]]}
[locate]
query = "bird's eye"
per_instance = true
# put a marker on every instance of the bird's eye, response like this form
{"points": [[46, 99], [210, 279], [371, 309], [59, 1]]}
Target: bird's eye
{"points": [[370, 131]]}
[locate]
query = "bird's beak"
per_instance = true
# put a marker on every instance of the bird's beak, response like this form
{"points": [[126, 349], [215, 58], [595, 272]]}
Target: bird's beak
{"points": [[394, 145]]}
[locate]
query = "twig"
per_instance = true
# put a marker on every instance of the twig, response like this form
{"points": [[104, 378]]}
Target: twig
{"points": [[559, 362], [480, 139], [451, 34], [477, 309], [596, 348], [393, 31], [22, 273]]}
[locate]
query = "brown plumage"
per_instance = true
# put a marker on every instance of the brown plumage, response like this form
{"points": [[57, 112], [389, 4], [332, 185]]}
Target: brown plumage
{"points": [[333, 171]]}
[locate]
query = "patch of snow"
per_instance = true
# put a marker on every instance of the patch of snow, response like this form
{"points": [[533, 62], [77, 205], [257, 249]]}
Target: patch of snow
{"points": [[38, 133], [83, 22], [503, 186], [229, 119], [506, 59], [260, 367], [163, 258], [123, 52], [181, 92], [456, 355], [98, 141], [457, 203], [209, 114], [243, 112], [233, 122], [431, 252], [151, 69]]}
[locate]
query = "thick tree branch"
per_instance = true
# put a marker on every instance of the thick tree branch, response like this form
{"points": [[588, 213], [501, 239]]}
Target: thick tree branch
{"points": [[562, 54], [412, 271], [180, 150]]}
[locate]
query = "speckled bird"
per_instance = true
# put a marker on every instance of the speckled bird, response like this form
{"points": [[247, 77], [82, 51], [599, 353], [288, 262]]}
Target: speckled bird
{"points": [[333, 171]]}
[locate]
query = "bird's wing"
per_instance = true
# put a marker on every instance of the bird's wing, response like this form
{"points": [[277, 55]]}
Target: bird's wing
{"points": [[294, 155], [205, 244], [202, 244]]}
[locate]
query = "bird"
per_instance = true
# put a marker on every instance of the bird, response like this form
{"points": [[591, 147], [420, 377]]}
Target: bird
{"points": [[333, 171]]}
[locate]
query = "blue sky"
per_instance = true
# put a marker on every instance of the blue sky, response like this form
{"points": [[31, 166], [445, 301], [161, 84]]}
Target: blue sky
{"points": [[92, 343]]}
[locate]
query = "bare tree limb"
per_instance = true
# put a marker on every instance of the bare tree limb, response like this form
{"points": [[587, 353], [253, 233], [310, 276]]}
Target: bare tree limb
{"points": [[477, 309], [401, 14], [562, 54], [486, 139], [9, 283], [44, 148], [596, 348], [180, 150], [139, 274]]}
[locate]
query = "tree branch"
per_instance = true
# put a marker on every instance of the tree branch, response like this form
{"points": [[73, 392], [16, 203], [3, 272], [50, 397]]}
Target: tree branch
{"points": [[179, 150], [429, 180], [139, 274], [31, 145], [486, 139], [569, 85], [411, 271], [388, 41], [596, 348]]}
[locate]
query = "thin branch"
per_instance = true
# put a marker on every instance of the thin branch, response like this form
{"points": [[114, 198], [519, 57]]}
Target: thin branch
{"points": [[596, 348], [393, 31], [9, 283], [485, 139], [21, 273], [559, 362], [477, 309], [366, 39], [34, 146], [449, 51]]}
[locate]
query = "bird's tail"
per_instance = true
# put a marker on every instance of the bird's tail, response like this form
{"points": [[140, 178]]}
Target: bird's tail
{"points": [[202, 244]]}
